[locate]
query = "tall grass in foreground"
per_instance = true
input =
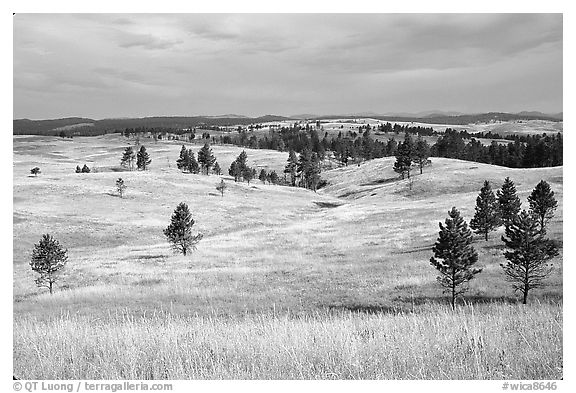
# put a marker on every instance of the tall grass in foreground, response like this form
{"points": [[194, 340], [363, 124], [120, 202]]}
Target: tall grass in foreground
{"points": [[475, 342]]}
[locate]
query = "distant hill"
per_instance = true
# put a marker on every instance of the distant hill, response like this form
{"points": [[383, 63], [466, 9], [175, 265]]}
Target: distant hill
{"points": [[304, 116], [540, 114], [26, 126], [83, 126]]}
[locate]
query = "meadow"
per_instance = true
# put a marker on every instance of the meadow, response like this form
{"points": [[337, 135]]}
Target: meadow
{"points": [[286, 283]]}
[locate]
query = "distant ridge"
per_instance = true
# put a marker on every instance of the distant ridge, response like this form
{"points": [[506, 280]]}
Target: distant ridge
{"points": [[98, 127], [85, 126]]}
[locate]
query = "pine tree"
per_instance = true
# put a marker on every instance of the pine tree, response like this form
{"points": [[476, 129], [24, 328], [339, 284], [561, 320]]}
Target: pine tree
{"points": [[221, 187], [273, 177], [248, 174], [542, 203], [128, 158], [85, 169], [508, 201], [192, 164], [263, 176], [35, 171], [120, 186], [241, 161], [527, 262], [183, 160], [179, 232], [239, 168], [486, 218], [217, 169], [313, 172], [234, 170], [48, 259], [143, 159], [78, 169], [421, 152], [206, 158], [303, 170], [454, 255], [404, 155], [292, 166]]}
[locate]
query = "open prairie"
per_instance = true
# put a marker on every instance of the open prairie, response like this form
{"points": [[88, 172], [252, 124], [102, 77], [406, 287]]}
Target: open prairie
{"points": [[286, 283]]}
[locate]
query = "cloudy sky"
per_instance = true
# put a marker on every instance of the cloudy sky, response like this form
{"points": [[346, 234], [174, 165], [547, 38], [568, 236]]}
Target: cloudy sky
{"points": [[135, 65]]}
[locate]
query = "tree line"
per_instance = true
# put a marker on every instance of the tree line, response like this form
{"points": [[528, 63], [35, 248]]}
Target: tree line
{"points": [[530, 151], [538, 150]]}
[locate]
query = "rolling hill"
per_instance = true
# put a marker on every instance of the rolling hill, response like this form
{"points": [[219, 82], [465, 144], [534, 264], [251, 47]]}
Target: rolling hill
{"points": [[339, 280]]}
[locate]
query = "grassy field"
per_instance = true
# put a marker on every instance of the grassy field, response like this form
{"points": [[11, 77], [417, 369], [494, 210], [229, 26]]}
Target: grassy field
{"points": [[474, 342], [285, 278]]}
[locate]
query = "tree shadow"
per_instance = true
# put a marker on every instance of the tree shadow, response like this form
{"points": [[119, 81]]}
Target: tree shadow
{"points": [[380, 181], [367, 308], [499, 246], [417, 249]]}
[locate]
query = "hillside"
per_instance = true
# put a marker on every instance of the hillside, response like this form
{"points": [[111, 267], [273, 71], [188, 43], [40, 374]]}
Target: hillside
{"points": [[365, 236]]}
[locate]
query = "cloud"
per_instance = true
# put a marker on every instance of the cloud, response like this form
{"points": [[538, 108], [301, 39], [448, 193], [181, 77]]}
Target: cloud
{"points": [[146, 41], [103, 65]]}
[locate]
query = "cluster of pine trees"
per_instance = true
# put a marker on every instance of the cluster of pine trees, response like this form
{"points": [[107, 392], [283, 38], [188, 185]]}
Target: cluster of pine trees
{"points": [[304, 170], [409, 153], [402, 129], [528, 249], [240, 169], [270, 177], [84, 169], [523, 152], [205, 164], [142, 158]]}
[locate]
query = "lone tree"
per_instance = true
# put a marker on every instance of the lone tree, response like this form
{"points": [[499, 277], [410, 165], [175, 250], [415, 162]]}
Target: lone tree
{"points": [[143, 159], [48, 259], [35, 171], [128, 158], [221, 187], [508, 202], [120, 186], [85, 169], [454, 255], [421, 153], [486, 218], [527, 265], [206, 158], [78, 169], [179, 232], [542, 204]]}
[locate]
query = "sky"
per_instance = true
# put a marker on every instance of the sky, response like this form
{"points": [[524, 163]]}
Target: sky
{"points": [[136, 65]]}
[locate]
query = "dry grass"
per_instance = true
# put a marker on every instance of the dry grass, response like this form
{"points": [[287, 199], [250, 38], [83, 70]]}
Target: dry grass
{"points": [[361, 244], [493, 341]]}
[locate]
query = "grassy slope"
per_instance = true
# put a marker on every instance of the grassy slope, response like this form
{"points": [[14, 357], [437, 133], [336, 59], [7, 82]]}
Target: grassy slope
{"points": [[266, 248]]}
